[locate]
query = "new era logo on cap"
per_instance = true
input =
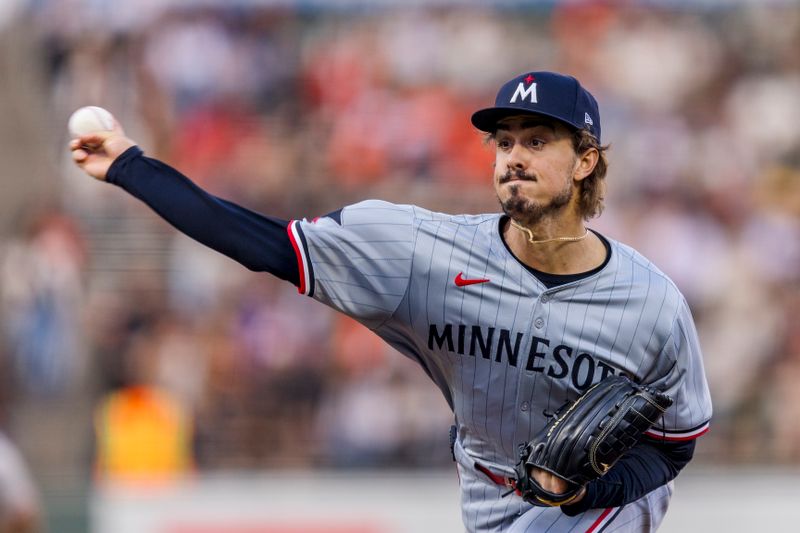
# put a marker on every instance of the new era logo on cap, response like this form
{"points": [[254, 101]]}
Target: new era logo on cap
{"points": [[542, 93]]}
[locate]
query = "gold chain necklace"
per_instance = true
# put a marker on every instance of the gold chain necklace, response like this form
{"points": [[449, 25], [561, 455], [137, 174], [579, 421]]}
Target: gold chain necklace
{"points": [[532, 241]]}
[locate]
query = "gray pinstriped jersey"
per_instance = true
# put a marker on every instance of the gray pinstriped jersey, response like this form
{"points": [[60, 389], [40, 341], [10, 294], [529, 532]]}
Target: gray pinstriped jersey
{"points": [[503, 349]]}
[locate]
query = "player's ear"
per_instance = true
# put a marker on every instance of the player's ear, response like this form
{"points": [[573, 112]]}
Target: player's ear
{"points": [[585, 163]]}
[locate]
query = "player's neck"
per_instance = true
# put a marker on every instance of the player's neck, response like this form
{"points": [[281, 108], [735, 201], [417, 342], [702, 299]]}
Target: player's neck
{"points": [[558, 247]]}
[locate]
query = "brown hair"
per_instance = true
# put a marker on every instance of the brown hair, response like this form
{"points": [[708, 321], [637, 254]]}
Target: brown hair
{"points": [[593, 186]]}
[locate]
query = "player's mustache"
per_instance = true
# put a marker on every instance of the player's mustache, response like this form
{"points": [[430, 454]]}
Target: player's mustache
{"points": [[516, 174]]}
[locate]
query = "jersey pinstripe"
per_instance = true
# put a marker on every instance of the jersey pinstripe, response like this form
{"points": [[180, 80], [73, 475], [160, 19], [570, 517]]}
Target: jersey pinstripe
{"points": [[504, 350]]}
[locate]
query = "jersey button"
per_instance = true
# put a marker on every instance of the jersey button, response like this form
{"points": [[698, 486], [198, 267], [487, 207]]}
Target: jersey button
{"points": [[525, 406], [538, 323], [545, 298]]}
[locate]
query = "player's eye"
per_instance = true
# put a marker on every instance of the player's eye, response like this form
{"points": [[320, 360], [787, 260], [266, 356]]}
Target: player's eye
{"points": [[536, 144], [504, 144]]}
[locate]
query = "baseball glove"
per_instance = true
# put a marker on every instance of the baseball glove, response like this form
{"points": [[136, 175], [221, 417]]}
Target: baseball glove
{"points": [[584, 439]]}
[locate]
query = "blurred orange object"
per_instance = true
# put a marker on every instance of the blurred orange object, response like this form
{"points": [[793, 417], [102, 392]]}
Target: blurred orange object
{"points": [[143, 434]]}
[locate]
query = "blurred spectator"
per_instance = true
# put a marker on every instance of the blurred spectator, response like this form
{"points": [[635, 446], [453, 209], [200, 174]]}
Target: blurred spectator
{"points": [[42, 301], [379, 410], [143, 432]]}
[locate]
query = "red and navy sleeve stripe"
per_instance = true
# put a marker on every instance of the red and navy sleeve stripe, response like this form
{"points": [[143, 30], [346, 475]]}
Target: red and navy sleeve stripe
{"points": [[678, 435], [304, 267]]}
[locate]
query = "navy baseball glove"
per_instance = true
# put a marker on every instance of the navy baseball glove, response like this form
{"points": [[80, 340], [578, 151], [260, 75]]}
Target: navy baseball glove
{"points": [[585, 438]]}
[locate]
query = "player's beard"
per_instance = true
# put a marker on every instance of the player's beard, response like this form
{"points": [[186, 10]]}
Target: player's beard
{"points": [[528, 212]]}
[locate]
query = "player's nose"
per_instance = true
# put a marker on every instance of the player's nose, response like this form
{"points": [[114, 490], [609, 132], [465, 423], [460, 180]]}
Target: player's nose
{"points": [[516, 159]]}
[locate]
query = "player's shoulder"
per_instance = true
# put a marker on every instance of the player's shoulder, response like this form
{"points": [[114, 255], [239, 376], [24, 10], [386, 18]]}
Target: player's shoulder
{"points": [[383, 210], [373, 210], [643, 271]]}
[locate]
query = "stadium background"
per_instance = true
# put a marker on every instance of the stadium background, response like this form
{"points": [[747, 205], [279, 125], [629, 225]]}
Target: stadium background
{"points": [[298, 108]]}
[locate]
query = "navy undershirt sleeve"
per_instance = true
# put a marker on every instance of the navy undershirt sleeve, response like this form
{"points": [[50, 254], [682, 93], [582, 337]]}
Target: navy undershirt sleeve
{"points": [[259, 242], [647, 466]]}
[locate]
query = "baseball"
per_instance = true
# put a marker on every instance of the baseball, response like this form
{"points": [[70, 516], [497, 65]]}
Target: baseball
{"points": [[90, 119]]}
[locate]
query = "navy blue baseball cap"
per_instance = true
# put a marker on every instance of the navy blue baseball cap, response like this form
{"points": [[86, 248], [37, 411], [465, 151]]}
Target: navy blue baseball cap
{"points": [[542, 93]]}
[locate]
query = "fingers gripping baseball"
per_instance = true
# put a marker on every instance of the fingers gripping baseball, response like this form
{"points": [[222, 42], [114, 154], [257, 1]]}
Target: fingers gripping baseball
{"points": [[95, 151]]}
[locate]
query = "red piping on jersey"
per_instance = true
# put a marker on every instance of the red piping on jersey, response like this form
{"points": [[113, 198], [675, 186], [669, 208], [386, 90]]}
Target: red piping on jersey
{"points": [[499, 480], [300, 269], [491, 475], [679, 437], [599, 520], [676, 439]]}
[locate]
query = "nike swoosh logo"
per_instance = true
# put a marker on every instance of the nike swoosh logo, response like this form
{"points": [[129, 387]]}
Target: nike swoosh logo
{"points": [[461, 282]]}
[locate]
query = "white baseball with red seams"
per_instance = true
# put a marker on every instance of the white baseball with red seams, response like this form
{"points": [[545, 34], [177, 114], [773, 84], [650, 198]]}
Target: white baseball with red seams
{"points": [[90, 119]]}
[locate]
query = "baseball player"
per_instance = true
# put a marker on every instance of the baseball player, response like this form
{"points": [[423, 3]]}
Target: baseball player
{"points": [[510, 314]]}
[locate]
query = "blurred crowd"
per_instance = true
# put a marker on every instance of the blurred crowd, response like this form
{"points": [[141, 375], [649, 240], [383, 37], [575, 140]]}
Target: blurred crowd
{"points": [[294, 113]]}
